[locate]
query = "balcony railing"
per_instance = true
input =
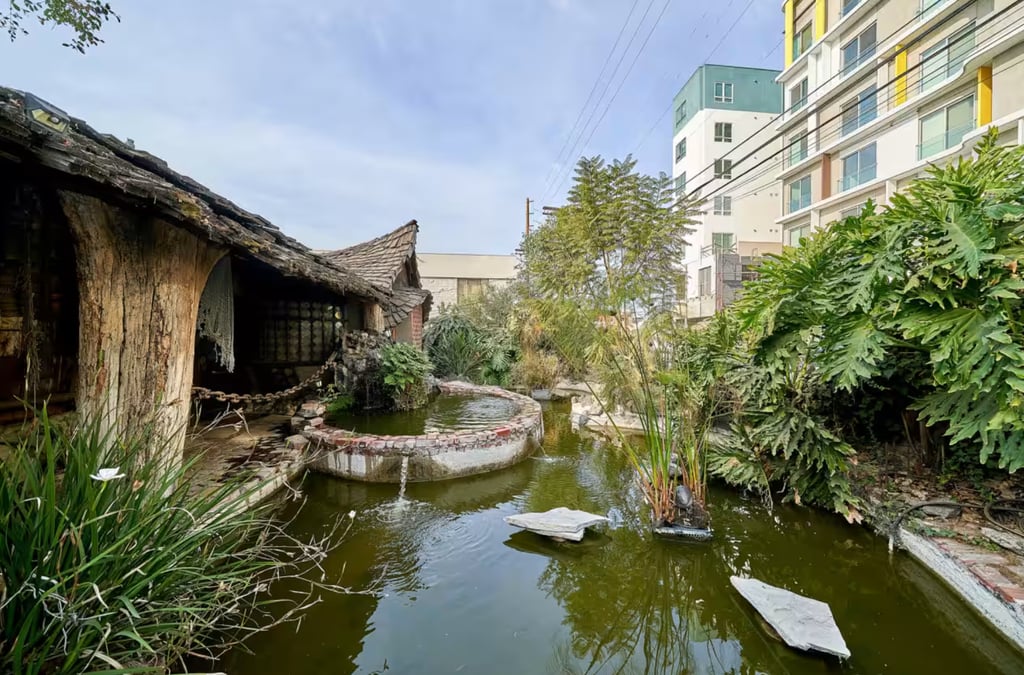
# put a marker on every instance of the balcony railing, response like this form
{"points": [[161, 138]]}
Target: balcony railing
{"points": [[941, 142], [868, 173], [929, 7], [861, 58], [797, 204], [849, 6]]}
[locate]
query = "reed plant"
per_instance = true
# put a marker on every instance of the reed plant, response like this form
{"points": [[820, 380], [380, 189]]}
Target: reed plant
{"points": [[115, 564]]}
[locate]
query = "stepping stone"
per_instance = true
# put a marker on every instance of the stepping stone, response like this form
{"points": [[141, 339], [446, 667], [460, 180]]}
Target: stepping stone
{"points": [[803, 623], [560, 523]]}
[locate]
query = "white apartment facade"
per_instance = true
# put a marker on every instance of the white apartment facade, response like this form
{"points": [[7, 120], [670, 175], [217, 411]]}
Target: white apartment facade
{"points": [[878, 90], [721, 114]]}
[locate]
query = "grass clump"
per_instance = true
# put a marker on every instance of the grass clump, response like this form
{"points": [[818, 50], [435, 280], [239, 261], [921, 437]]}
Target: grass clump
{"points": [[111, 562]]}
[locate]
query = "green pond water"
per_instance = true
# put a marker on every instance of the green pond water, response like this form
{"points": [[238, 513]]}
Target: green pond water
{"points": [[447, 412], [460, 591]]}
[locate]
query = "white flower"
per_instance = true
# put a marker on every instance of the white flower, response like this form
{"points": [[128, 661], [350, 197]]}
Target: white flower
{"points": [[351, 514], [104, 475]]}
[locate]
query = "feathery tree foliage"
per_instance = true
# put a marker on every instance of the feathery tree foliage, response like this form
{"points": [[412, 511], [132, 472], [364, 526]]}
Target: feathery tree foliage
{"points": [[83, 17], [616, 245], [600, 274]]}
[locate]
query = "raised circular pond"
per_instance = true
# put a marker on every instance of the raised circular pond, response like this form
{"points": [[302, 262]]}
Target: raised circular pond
{"points": [[468, 429]]}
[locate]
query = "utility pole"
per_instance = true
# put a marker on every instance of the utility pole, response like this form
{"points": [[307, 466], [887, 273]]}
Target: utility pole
{"points": [[527, 216]]}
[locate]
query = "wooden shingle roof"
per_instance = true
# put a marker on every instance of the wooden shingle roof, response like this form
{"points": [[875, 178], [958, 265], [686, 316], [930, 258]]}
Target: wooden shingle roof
{"points": [[82, 159], [380, 260]]}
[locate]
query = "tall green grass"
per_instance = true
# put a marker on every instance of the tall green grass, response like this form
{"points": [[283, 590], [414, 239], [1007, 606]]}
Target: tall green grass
{"points": [[132, 572]]}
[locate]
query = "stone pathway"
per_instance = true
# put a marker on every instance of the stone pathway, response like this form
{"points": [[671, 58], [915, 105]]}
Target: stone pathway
{"points": [[260, 451]]}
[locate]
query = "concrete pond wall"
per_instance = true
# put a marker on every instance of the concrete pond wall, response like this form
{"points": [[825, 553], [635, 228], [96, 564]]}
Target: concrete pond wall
{"points": [[434, 456]]}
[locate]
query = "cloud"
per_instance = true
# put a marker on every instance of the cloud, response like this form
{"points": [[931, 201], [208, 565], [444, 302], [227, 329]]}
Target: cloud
{"points": [[339, 121]]}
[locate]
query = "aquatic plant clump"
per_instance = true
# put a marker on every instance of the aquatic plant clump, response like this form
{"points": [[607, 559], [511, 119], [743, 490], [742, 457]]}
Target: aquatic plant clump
{"points": [[111, 561]]}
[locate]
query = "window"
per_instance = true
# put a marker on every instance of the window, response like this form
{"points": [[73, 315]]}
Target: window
{"points": [[723, 132], [946, 127], [681, 182], [800, 194], [681, 112], [723, 206], [469, 288], [798, 95], [723, 92], [946, 58], [802, 41], [849, 5], [928, 5], [859, 49], [680, 149], [798, 149], [795, 235], [859, 111], [852, 212], [723, 168], [704, 281], [859, 167], [722, 242]]}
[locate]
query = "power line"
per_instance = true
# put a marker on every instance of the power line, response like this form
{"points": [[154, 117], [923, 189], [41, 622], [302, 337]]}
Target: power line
{"points": [[611, 78], [622, 82], [828, 137], [706, 59], [838, 74], [838, 133], [597, 81]]}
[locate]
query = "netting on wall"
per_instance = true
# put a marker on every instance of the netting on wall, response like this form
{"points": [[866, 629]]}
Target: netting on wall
{"points": [[217, 314]]}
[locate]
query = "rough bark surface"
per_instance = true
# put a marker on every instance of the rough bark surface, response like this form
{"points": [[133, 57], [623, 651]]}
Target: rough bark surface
{"points": [[140, 280]]}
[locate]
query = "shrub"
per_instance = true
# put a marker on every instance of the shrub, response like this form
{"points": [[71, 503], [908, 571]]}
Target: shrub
{"points": [[109, 562], [535, 370], [404, 369], [459, 348]]}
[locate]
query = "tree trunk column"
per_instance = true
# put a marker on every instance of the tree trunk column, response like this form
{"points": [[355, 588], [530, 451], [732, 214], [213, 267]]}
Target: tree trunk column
{"points": [[140, 280]]}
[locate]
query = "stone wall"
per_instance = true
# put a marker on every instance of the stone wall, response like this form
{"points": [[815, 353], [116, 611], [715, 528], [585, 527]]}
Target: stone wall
{"points": [[435, 456], [356, 372]]}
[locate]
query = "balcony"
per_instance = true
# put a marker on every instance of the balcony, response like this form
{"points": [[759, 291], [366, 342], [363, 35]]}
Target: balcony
{"points": [[865, 175], [942, 142], [929, 7]]}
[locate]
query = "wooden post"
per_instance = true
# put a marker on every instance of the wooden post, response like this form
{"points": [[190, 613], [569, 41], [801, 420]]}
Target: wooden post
{"points": [[527, 216], [374, 318], [140, 280]]}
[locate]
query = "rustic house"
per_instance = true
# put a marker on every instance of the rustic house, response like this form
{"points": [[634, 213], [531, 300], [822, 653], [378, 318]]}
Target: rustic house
{"points": [[389, 262], [123, 283]]}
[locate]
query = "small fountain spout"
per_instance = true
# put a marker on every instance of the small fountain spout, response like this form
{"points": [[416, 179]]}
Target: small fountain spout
{"points": [[404, 477]]}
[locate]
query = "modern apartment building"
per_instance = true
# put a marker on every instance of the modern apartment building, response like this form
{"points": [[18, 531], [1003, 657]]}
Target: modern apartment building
{"points": [[721, 114], [877, 90]]}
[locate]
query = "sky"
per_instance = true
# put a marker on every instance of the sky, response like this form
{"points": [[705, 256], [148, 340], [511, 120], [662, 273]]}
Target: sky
{"points": [[339, 120]]}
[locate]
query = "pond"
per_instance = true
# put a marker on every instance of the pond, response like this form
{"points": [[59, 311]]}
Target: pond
{"points": [[459, 591], [447, 412]]}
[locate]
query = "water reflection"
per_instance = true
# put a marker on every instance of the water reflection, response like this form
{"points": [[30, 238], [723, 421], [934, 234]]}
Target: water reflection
{"points": [[463, 592]]}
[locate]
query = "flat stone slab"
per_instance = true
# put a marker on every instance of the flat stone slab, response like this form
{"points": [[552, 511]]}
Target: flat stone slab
{"points": [[560, 523], [803, 623]]}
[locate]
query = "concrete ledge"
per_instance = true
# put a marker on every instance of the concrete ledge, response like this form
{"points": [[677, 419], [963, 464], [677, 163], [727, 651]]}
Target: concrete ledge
{"points": [[978, 585], [379, 459]]}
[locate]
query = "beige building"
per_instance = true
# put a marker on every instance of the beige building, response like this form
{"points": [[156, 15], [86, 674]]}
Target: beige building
{"points": [[454, 277], [878, 90]]}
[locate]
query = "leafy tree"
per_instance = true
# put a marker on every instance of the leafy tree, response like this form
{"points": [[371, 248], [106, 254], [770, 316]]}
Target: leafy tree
{"points": [[617, 244], [83, 17], [600, 275]]}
